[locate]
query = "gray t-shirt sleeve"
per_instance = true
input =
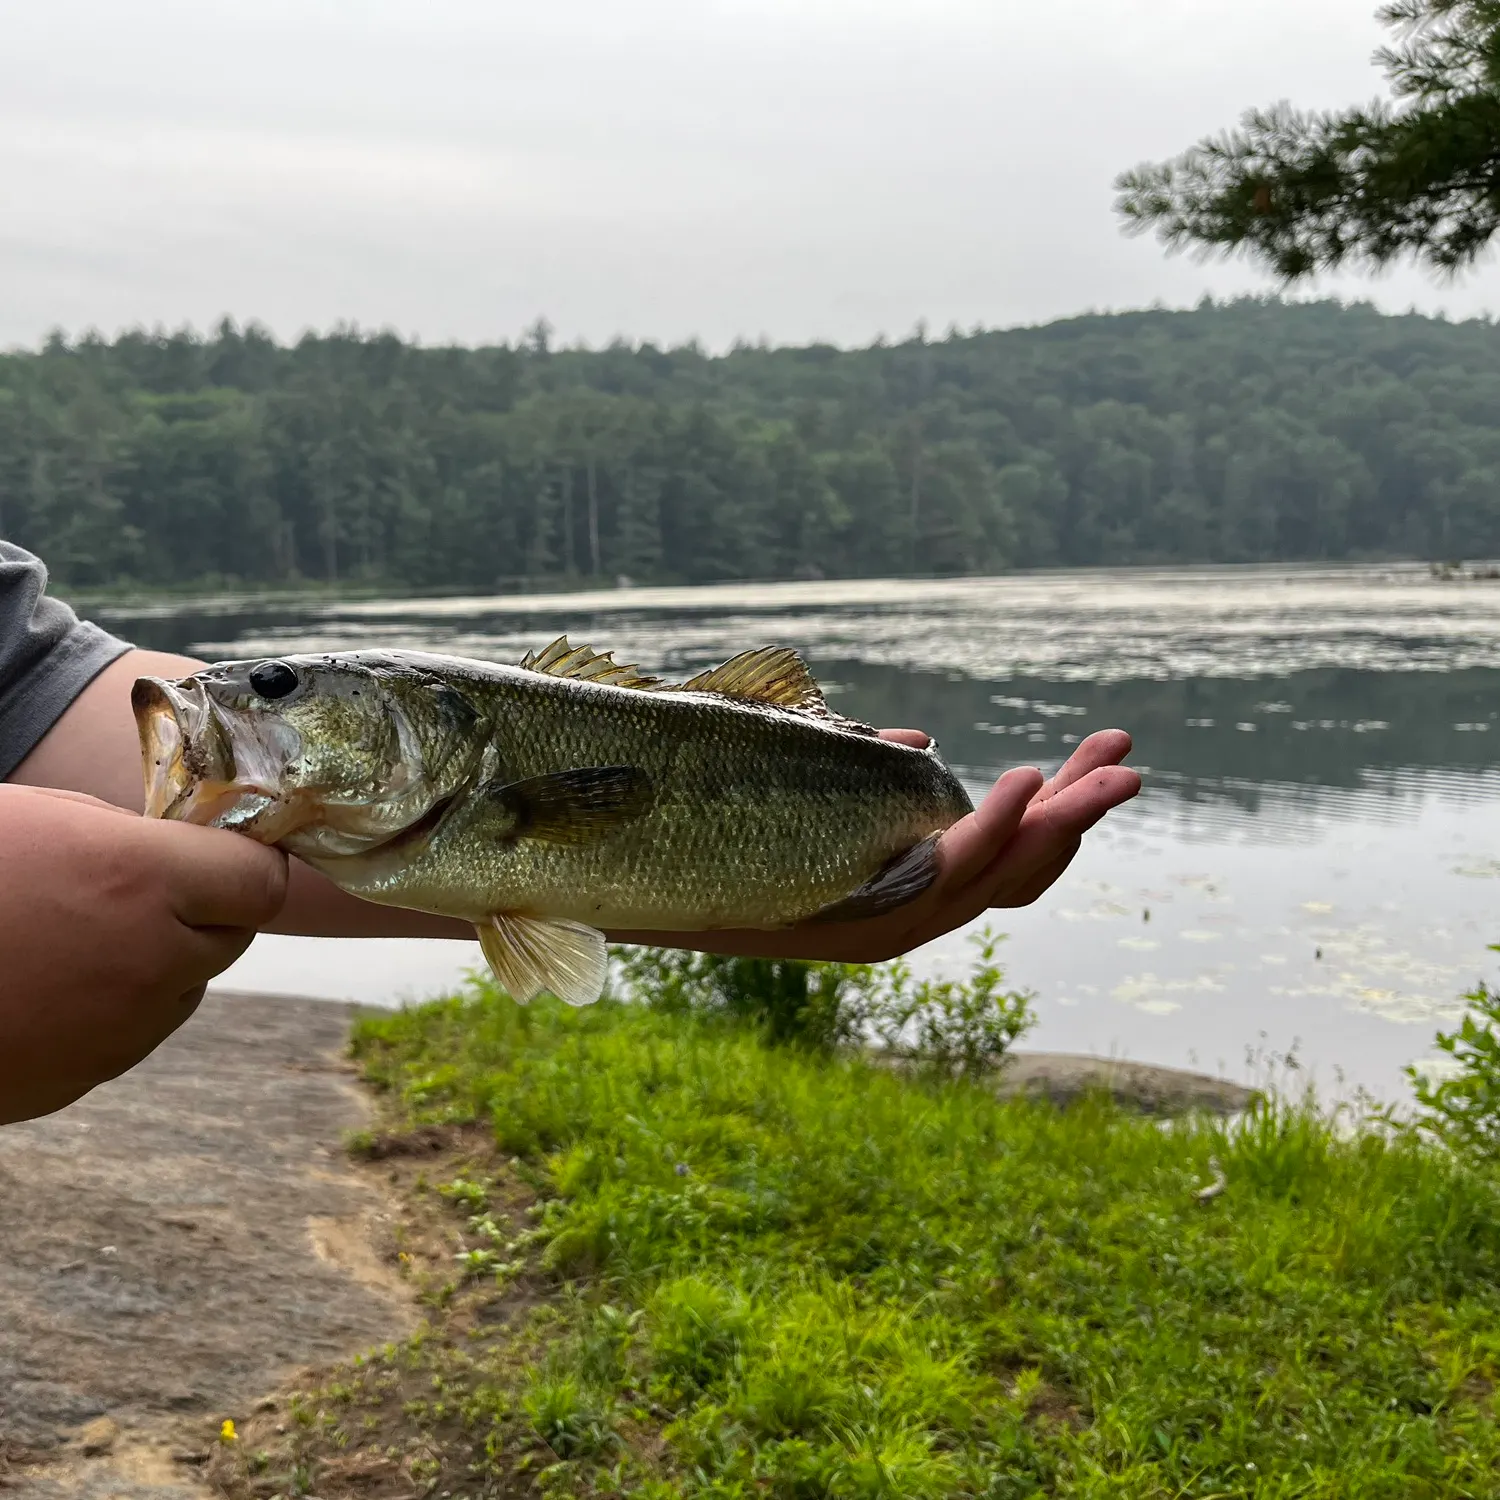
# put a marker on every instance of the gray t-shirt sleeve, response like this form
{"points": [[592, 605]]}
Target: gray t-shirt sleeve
{"points": [[47, 656]]}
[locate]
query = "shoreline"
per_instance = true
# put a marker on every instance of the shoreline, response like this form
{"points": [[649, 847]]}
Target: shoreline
{"points": [[180, 1241]]}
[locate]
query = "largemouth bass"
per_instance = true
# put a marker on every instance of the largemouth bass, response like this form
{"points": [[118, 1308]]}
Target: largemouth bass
{"points": [[547, 801]]}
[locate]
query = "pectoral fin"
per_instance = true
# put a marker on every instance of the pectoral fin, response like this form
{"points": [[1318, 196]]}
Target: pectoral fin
{"points": [[531, 956], [575, 806], [902, 880]]}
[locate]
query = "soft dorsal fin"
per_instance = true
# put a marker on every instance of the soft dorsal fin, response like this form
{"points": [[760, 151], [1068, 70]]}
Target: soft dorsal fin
{"points": [[584, 664], [774, 675]]}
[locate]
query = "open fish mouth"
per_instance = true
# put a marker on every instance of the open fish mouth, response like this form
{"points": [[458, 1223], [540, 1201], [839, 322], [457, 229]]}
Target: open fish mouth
{"points": [[207, 767], [185, 754]]}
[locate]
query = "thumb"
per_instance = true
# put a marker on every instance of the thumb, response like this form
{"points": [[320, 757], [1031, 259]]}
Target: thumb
{"points": [[214, 878]]}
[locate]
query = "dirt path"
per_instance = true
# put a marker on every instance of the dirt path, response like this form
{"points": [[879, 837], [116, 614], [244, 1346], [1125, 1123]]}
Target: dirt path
{"points": [[177, 1244]]}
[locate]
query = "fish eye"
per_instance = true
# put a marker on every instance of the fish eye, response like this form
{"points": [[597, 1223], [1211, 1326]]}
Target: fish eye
{"points": [[274, 679]]}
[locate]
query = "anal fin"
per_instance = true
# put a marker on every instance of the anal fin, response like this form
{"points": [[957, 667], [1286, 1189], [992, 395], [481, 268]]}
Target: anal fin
{"points": [[902, 880], [531, 956]]}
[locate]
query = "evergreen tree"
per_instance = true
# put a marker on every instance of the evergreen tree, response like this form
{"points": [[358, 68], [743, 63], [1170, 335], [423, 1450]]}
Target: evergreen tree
{"points": [[1254, 431], [1414, 176]]}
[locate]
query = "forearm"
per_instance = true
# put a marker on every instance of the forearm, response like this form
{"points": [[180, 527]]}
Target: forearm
{"points": [[315, 907]]}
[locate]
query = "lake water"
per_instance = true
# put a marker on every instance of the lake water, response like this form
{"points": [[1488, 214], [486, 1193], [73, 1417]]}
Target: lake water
{"points": [[1314, 863]]}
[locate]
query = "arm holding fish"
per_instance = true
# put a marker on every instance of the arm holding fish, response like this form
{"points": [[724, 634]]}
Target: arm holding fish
{"points": [[1004, 854]]}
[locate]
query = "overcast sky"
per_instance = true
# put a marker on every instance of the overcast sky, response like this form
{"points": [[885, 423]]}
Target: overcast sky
{"points": [[800, 169]]}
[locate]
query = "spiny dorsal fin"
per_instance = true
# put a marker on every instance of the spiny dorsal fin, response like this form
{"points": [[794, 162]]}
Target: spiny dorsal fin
{"points": [[584, 664], [774, 675]]}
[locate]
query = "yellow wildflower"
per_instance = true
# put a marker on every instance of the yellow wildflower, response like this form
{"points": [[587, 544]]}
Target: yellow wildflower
{"points": [[227, 1434]]}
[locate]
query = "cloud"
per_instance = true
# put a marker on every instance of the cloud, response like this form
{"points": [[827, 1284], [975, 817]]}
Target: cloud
{"points": [[819, 169]]}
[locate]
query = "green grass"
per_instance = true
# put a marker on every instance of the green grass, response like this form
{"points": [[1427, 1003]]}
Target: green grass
{"points": [[795, 1276]]}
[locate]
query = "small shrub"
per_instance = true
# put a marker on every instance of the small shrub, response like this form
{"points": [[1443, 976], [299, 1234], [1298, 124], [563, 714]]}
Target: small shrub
{"points": [[793, 1394], [473, 1196], [697, 1331], [793, 1001], [1464, 1110], [605, 1337], [962, 1027], [567, 1417], [958, 1026]]}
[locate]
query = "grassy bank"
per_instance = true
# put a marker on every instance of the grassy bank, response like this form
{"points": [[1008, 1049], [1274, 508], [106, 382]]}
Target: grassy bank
{"points": [[679, 1261]]}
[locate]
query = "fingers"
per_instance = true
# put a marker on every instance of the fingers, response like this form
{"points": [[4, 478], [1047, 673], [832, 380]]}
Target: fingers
{"points": [[190, 1000], [1009, 888], [1040, 883], [216, 879], [1075, 808], [152, 1027], [969, 845], [1053, 825], [1107, 747], [1051, 831], [202, 954], [1021, 866]]}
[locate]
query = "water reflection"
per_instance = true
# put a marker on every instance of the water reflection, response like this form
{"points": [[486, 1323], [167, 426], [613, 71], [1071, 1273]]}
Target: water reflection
{"points": [[1086, 627]]}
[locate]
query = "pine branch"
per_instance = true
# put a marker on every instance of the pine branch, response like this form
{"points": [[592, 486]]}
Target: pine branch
{"points": [[1303, 192]]}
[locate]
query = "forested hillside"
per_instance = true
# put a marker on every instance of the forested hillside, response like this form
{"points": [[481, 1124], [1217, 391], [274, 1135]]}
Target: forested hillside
{"points": [[1251, 431]]}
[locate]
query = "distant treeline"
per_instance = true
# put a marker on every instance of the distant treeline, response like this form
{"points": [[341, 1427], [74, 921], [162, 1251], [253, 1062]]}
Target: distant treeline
{"points": [[1242, 432]]}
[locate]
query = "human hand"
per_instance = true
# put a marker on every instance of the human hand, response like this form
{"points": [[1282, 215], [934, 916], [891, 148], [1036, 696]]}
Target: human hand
{"points": [[1013, 847], [1007, 852], [110, 927]]}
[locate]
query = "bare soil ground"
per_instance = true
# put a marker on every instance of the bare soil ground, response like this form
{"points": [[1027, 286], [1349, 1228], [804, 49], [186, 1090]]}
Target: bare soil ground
{"points": [[180, 1243]]}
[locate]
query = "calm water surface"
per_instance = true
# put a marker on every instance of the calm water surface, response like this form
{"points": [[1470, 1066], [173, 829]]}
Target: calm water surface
{"points": [[1314, 862]]}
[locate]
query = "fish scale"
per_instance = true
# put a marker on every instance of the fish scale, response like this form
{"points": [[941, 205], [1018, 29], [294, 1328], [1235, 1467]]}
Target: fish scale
{"points": [[549, 801]]}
